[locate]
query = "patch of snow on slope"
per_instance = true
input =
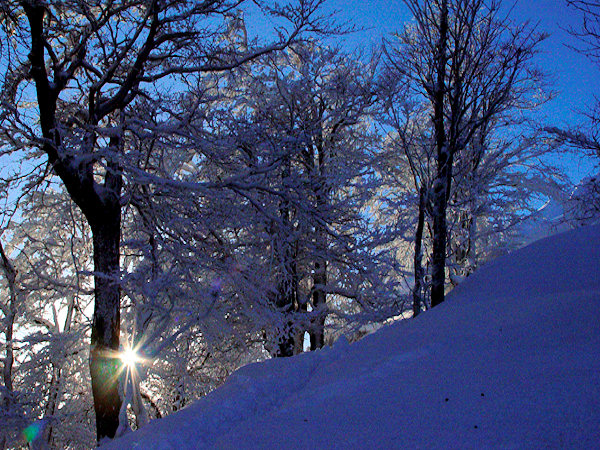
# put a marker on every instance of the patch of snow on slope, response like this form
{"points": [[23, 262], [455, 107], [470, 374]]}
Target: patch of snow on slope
{"points": [[511, 360], [547, 221]]}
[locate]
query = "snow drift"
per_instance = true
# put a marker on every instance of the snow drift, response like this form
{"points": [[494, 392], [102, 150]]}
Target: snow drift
{"points": [[511, 360]]}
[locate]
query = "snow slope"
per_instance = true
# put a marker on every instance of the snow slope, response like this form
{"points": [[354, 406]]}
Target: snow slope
{"points": [[547, 221], [511, 360]]}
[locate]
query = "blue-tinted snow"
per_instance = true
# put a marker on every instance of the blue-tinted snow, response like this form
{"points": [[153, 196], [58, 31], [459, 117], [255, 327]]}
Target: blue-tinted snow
{"points": [[511, 360]]}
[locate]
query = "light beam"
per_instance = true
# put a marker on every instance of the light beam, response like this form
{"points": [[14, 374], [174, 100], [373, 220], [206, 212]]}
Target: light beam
{"points": [[129, 357]]}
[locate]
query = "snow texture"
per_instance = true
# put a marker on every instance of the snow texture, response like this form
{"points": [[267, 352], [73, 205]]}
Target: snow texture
{"points": [[510, 360]]}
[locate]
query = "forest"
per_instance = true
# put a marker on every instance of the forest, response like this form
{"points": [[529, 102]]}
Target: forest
{"points": [[189, 186]]}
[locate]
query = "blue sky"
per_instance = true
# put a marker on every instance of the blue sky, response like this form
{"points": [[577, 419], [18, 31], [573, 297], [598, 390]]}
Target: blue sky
{"points": [[574, 77]]}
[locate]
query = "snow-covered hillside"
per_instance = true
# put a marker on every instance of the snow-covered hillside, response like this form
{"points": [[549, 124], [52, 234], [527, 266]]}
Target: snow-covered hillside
{"points": [[559, 214], [511, 360]]}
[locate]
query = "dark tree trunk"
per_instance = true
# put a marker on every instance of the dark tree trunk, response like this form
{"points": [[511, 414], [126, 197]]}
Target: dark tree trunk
{"points": [[11, 275], [440, 230], [104, 363], [53, 396], [153, 405], [322, 192], [286, 303], [418, 259], [300, 330], [287, 287], [317, 332], [444, 162], [101, 206], [9, 321]]}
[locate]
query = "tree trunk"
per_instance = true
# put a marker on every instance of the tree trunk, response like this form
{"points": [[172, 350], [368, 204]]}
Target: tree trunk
{"points": [[302, 309], [153, 405], [286, 300], [317, 332], [322, 192], [104, 362], [418, 259], [53, 396], [287, 288], [440, 236], [9, 322], [464, 246], [103, 213], [440, 232], [444, 162], [285, 303]]}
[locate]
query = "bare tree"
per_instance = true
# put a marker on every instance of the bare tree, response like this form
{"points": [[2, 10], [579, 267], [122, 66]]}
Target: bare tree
{"points": [[588, 34], [472, 66], [302, 128], [50, 245], [89, 64], [584, 138]]}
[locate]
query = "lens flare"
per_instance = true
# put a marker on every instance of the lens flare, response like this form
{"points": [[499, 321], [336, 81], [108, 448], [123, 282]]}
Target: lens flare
{"points": [[33, 431], [129, 357]]}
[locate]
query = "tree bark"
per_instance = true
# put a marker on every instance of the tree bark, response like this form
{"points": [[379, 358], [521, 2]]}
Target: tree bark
{"points": [[9, 322], [101, 206], [317, 332], [300, 331], [440, 234], [11, 275], [444, 162], [286, 303], [418, 258], [104, 362], [322, 191], [53, 396], [287, 288]]}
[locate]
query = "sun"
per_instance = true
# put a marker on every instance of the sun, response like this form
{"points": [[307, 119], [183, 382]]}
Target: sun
{"points": [[129, 357]]}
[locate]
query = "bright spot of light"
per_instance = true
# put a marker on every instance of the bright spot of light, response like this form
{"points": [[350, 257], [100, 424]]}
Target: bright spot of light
{"points": [[129, 357]]}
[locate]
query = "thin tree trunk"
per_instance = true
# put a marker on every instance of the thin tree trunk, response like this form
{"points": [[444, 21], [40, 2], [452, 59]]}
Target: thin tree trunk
{"points": [[285, 303], [440, 232], [464, 246], [444, 161], [141, 415], [54, 393], [9, 321], [302, 309], [11, 275], [317, 333], [319, 297], [287, 289], [418, 258], [9, 358], [287, 297]]}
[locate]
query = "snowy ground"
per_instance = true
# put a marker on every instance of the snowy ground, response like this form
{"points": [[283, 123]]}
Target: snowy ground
{"points": [[511, 360]]}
